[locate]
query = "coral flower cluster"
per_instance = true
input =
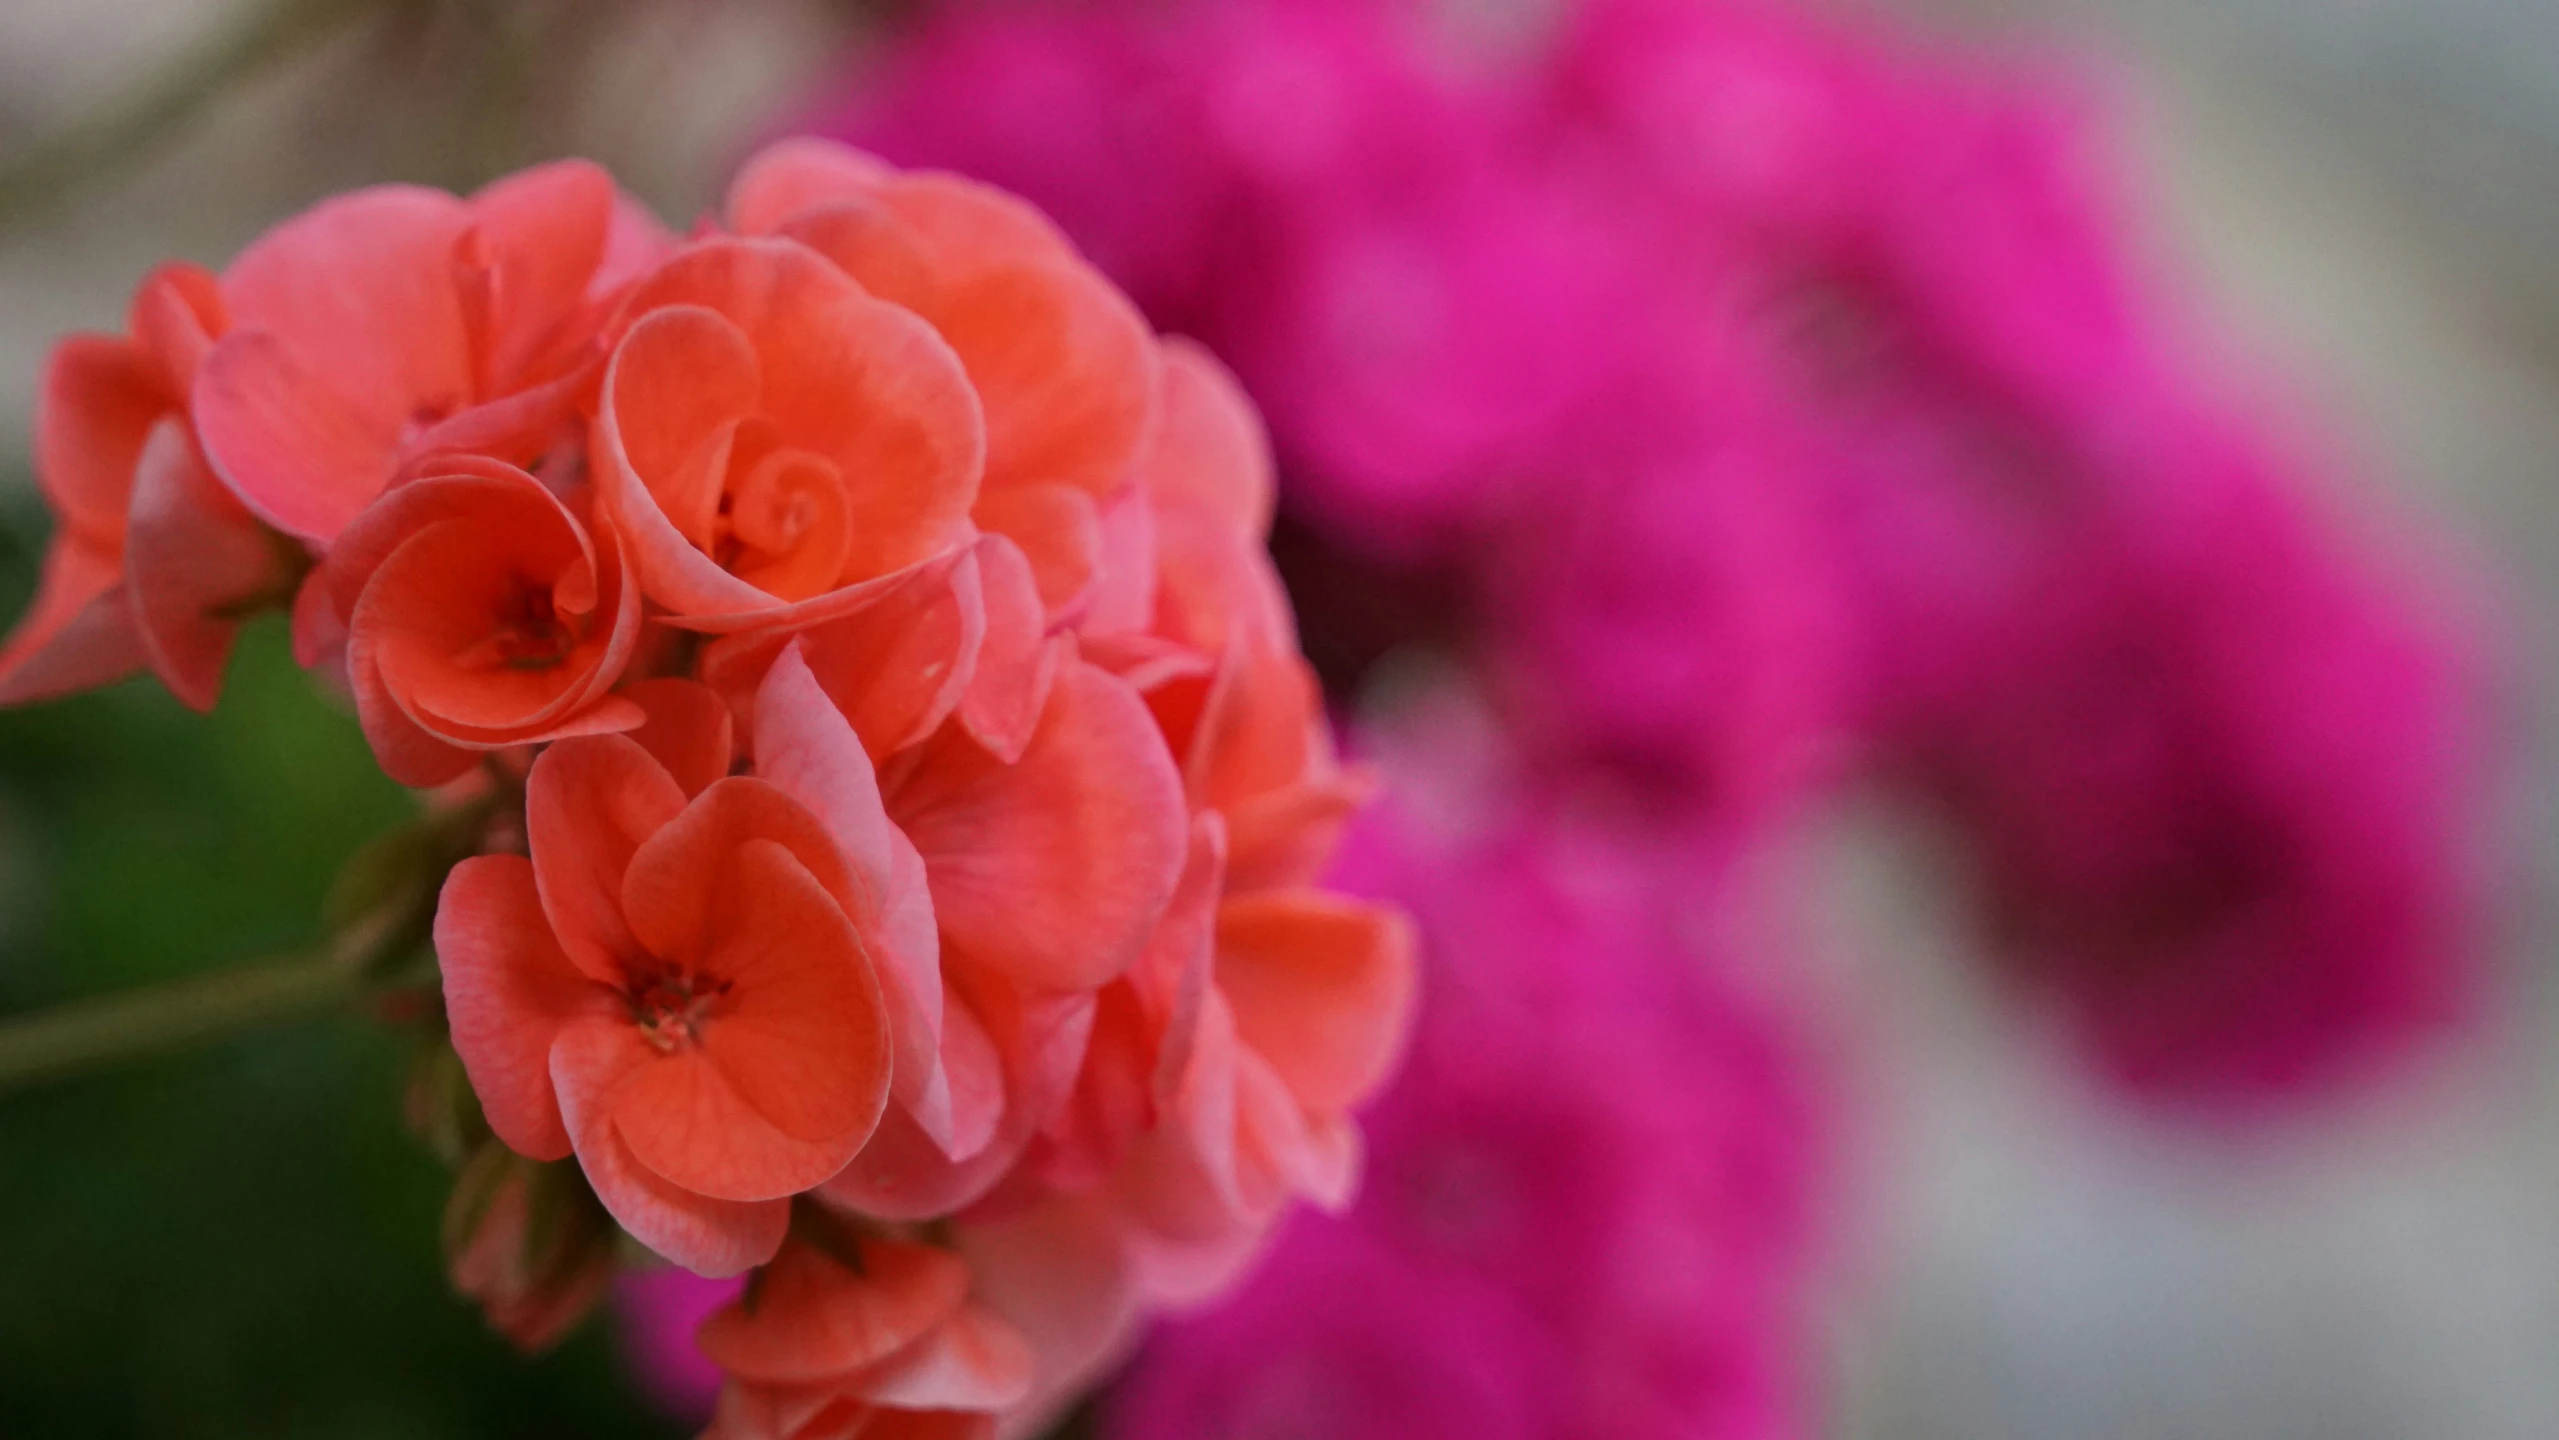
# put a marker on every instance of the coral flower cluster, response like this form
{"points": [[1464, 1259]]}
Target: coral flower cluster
{"points": [[905, 800]]}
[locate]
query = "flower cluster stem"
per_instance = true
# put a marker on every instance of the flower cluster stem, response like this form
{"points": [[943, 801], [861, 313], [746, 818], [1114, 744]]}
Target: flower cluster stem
{"points": [[89, 1034]]}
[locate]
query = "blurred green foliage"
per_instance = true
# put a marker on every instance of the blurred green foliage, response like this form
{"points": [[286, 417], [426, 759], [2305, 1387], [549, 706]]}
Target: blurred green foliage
{"points": [[240, 1240]]}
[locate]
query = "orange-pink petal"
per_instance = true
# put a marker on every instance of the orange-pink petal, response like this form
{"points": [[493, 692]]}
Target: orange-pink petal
{"points": [[589, 805], [508, 992], [814, 1319], [1323, 988], [710, 1237], [1055, 869]]}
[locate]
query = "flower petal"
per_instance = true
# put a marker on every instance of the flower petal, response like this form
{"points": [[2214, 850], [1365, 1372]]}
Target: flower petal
{"points": [[101, 395], [1054, 870], [1208, 454], [715, 1238], [348, 331], [1065, 365], [805, 748], [689, 730], [542, 232], [79, 633], [802, 1031], [589, 805], [293, 449], [672, 887], [1016, 662], [814, 1319], [508, 991], [974, 1360], [1322, 987], [858, 381], [688, 1124], [1059, 532], [680, 382], [193, 561], [792, 176]]}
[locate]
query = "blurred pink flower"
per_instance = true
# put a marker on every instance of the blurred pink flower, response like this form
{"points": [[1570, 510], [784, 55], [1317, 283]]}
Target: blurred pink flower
{"points": [[1761, 394], [1590, 1197], [658, 1310], [1412, 305], [2222, 799]]}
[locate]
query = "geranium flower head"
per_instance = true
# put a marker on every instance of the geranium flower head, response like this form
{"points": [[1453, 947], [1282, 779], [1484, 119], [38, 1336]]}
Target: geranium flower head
{"points": [[846, 638]]}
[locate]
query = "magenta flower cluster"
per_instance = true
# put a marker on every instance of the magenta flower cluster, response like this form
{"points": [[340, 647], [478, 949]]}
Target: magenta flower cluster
{"points": [[1779, 404]]}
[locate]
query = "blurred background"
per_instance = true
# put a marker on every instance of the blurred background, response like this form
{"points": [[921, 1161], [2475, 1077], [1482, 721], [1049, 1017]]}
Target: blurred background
{"points": [[242, 1241]]}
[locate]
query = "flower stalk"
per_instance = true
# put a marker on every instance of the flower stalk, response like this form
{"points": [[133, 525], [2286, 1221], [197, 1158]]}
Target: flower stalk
{"points": [[95, 1034]]}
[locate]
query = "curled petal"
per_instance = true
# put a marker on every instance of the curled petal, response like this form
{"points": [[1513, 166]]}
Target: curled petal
{"points": [[851, 379]]}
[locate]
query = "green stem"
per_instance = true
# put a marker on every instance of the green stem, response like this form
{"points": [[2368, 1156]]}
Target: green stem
{"points": [[125, 131], [88, 1034]]}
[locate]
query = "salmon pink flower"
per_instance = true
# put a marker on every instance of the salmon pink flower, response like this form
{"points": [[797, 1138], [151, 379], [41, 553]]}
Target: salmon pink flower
{"points": [[771, 436], [482, 611], [398, 321], [676, 992], [153, 562], [1061, 362]]}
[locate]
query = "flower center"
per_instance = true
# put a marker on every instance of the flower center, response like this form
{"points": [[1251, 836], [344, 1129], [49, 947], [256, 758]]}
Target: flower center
{"points": [[670, 1006], [530, 634]]}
